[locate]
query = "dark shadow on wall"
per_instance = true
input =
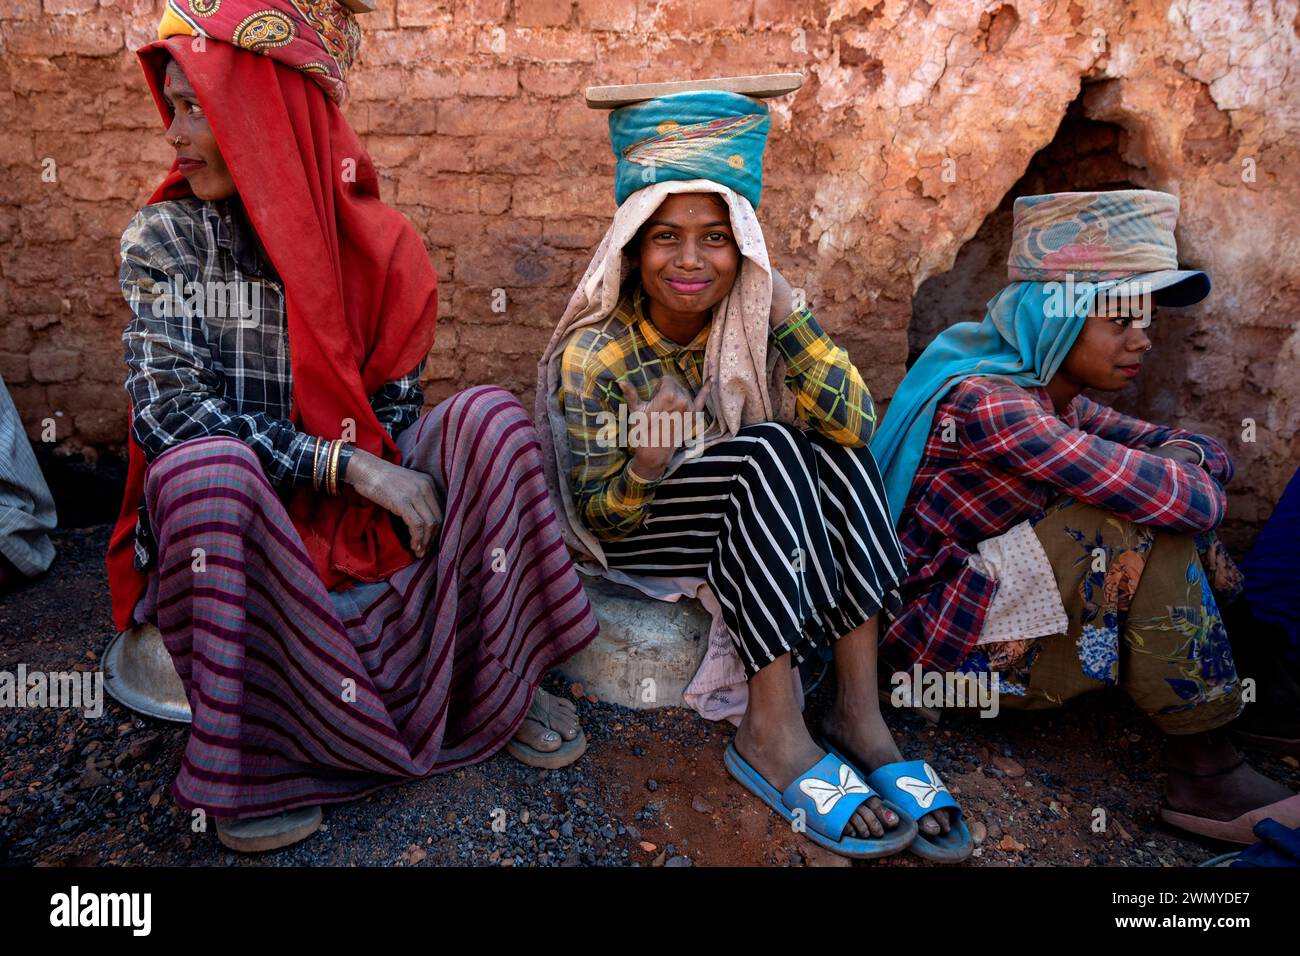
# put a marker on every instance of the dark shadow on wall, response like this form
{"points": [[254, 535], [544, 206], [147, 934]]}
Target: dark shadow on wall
{"points": [[1085, 154]]}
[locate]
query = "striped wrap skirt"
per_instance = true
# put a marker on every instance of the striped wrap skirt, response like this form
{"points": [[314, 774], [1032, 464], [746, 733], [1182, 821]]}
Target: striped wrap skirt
{"points": [[303, 696], [791, 531]]}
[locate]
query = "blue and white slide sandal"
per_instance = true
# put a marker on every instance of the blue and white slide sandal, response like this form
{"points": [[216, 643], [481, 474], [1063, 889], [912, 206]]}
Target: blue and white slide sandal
{"points": [[917, 789], [825, 797]]}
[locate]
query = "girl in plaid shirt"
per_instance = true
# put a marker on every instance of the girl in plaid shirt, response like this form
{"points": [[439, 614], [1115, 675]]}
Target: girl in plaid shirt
{"points": [[1053, 544]]}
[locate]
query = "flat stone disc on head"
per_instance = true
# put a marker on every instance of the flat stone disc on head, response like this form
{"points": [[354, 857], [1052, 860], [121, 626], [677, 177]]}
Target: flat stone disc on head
{"points": [[759, 87]]}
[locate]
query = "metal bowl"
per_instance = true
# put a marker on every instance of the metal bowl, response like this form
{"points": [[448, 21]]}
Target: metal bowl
{"points": [[139, 674]]}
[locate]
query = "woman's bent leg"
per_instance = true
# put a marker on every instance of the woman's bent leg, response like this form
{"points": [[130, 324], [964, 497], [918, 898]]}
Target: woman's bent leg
{"points": [[301, 696]]}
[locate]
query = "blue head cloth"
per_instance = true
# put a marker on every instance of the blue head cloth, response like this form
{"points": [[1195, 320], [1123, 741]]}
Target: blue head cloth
{"points": [[706, 134], [1025, 335]]}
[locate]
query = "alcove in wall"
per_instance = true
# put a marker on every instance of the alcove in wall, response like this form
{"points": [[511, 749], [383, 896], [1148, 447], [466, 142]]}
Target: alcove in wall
{"points": [[1085, 154]]}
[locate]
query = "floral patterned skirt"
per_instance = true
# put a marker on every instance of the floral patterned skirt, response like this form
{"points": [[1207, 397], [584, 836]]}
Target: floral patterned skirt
{"points": [[1143, 615]]}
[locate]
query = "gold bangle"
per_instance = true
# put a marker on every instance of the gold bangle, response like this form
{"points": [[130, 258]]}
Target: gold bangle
{"points": [[335, 447], [338, 452], [315, 466]]}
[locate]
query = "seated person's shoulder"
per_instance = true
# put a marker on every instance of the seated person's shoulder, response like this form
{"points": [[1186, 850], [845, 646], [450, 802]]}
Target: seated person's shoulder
{"points": [[984, 393], [170, 229]]}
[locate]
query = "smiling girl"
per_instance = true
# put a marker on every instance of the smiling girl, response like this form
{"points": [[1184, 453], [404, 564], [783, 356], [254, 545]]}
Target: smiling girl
{"points": [[779, 506]]}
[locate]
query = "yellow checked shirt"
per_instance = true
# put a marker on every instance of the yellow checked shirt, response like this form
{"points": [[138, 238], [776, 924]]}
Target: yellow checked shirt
{"points": [[830, 396]]}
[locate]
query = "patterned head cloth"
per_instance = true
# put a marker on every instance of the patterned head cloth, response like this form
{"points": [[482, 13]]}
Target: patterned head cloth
{"points": [[319, 37], [1094, 237], [706, 134]]}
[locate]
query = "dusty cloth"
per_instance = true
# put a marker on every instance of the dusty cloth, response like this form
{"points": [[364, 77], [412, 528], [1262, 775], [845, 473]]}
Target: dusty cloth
{"points": [[303, 696], [1144, 618], [745, 380], [26, 509], [701, 134]]}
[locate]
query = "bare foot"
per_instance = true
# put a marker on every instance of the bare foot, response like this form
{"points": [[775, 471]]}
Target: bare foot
{"points": [[865, 739], [1224, 795], [551, 720], [780, 754]]}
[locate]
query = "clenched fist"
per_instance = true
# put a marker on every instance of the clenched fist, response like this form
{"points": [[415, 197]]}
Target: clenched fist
{"points": [[650, 460]]}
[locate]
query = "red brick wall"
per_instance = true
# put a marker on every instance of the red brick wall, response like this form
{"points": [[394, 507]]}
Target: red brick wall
{"points": [[474, 115]]}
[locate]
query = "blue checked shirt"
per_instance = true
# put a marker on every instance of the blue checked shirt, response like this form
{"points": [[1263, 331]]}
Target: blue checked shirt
{"points": [[207, 346]]}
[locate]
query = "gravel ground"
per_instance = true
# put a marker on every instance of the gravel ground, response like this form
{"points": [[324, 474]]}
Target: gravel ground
{"points": [[651, 790]]}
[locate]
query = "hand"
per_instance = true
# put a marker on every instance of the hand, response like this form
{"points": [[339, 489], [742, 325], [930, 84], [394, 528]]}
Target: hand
{"points": [[650, 460], [405, 492], [782, 299], [1175, 453]]}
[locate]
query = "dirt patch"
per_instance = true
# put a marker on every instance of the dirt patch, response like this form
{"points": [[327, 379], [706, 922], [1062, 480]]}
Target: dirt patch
{"points": [[650, 791]]}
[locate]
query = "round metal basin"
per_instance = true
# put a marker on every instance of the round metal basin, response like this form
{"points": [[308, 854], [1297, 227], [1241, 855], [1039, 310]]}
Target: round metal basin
{"points": [[138, 673]]}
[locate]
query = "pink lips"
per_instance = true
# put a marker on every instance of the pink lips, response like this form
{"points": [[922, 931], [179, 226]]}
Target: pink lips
{"points": [[1130, 370], [185, 165], [688, 286]]}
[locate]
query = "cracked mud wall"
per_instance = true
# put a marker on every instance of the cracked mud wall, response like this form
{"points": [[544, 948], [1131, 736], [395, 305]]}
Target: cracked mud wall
{"points": [[915, 124]]}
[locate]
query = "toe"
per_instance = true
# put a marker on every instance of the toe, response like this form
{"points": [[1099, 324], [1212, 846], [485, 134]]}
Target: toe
{"points": [[867, 824], [882, 813], [561, 714], [538, 737], [929, 825]]}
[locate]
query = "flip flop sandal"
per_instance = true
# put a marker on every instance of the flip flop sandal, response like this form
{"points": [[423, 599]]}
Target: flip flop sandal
{"points": [[568, 752], [914, 786], [1239, 829], [260, 834], [823, 798]]}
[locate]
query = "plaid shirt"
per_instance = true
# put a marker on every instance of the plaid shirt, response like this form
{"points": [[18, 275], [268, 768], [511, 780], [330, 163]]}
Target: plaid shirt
{"points": [[998, 455], [829, 395], [207, 346]]}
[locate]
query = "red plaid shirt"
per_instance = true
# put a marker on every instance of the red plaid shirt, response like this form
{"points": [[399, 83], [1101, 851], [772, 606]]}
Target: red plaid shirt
{"points": [[998, 455]]}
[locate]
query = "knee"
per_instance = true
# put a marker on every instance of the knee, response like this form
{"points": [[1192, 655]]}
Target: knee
{"points": [[489, 411], [490, 403], [777, 447], [209, 464]]}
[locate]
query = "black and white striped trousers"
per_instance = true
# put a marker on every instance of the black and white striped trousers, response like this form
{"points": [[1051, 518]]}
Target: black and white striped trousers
{"points": [[790, 529]]}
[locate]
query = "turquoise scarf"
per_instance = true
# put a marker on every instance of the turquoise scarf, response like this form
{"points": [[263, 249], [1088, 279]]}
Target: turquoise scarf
{"points": [[1026, 332], [707, 134]]}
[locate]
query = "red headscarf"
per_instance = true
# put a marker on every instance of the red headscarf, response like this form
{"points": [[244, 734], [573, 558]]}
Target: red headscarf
{"points": [[360, 293]]}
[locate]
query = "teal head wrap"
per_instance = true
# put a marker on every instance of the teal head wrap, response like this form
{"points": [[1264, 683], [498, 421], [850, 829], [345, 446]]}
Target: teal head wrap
{"points": [[1020, 339], [707, 134]]}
